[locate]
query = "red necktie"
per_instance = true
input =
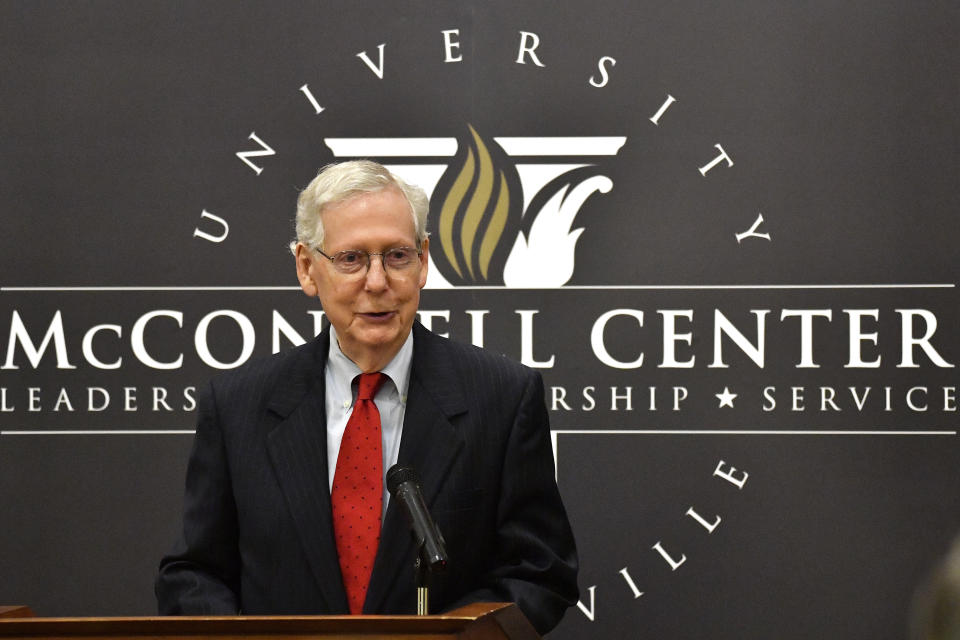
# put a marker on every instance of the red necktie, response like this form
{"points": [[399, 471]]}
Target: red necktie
{"points": [[357, 495]]}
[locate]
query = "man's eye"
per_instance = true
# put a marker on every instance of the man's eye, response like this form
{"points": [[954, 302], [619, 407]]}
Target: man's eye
{"points": [[349, 257], [399, 254]]}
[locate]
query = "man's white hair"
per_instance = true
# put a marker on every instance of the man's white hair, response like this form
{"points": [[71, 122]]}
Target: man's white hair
{"points": [[341, 181]]}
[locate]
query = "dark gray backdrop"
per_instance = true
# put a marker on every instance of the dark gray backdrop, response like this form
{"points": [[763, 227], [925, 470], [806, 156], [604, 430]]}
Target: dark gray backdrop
{"points": [[121, 124]]}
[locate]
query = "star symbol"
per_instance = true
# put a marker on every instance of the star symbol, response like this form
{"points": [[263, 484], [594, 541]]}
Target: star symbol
{"points": [[725, 398]]}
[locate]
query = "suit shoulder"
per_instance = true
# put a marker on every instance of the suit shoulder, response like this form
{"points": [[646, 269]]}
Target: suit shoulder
{"points": [[465, 356], [261, 375]]}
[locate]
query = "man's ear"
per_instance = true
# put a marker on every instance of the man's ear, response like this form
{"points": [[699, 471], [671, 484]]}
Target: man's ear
{"points": [[305, 270], [425, 248]]}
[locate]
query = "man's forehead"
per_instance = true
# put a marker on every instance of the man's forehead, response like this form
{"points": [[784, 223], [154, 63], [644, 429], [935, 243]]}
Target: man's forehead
{"points": [[366, 201], [364, 210]]}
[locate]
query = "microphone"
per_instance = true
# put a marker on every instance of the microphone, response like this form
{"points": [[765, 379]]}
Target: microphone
{"points": [[403, 483]]}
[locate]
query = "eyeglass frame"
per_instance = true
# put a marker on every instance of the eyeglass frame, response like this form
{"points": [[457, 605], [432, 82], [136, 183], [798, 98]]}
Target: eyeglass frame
{"points": [[369, 255]]}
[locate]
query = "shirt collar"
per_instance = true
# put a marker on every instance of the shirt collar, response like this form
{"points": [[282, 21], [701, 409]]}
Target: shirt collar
{"points": [[344, 370]]}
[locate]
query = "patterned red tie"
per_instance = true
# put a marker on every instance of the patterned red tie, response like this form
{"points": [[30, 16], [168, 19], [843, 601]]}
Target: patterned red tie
{"points": [[357, 495]]}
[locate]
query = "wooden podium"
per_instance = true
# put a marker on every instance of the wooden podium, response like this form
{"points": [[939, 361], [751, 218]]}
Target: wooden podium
{"points": [[480, 621]]}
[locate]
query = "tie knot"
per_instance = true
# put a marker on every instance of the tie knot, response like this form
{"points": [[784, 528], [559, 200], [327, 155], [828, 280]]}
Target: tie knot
{"points": [[369, 384]]}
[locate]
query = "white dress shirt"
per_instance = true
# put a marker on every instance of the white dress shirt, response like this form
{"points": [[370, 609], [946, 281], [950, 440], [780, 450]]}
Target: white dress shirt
{"points": [[391, 401]]}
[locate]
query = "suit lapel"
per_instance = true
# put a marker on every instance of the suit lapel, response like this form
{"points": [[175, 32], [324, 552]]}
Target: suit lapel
{"points": [[298, 451], [430, 444]]}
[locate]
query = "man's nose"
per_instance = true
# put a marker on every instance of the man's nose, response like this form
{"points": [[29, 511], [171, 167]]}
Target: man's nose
{"points": [[376, 272]]}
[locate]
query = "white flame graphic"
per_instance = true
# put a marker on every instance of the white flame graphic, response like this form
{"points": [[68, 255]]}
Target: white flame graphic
{"points": [[546, 259]]}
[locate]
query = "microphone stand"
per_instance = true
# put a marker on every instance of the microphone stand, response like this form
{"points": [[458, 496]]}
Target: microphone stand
{"points": [[421, 571], [403, 482], [423, 574]]}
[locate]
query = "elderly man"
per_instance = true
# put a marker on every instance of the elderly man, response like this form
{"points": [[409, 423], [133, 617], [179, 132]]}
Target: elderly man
{"points": [[285, 508]]}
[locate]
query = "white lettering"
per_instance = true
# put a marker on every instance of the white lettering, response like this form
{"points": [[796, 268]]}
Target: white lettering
{"points": [[679, 395], [857, 337], [526, 340], [558, 397], [663, 108], [806, 332], [591, 402], [209, 236], [129, 398], [709, 526], [723, 326], [317, 322], [614, 397], [191, 400], [674, 564], [604, 76], [476, 325], [597, 339], [525, 48], [264, 151], [247, 332], [728, 475], [426, 319], [378, 70], [827, 394], [313, 101], [104, 397], [752, 231], [449, 44], [671, 337], [160, 398], [910, 403], [909, 341], [136, 339], [88, 346], [630, 583], [797, 398], [857, 400], [770, 402], [589, 612], [720, 158], [19, 335], [280, 325], [63, 398]]}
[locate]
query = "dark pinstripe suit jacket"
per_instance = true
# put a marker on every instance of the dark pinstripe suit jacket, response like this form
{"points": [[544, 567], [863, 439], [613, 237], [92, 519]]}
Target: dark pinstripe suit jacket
{"points": [[257, 533]]}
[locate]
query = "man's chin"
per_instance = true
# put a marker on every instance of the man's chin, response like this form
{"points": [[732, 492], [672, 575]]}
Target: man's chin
{"points": [[371, 339]]}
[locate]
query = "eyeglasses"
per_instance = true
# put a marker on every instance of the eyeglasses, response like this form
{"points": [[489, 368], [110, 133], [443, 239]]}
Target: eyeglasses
{"points": [[354, 261]]}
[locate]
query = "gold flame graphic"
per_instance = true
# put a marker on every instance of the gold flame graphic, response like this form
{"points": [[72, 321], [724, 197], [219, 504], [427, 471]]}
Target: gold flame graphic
{"points": [[487, 187]]}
